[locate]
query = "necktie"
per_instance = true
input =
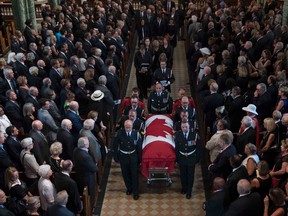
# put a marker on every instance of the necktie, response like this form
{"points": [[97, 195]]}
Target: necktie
{"points": [[186, 135]]}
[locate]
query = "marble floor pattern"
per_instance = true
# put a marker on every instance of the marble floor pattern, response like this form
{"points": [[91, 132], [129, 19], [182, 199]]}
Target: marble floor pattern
{"points": [[157, 198]]}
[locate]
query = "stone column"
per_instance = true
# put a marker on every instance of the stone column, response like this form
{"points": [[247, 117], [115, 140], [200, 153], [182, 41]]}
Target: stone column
{"points": [[19, 14], [285, 12], [30, 11]]}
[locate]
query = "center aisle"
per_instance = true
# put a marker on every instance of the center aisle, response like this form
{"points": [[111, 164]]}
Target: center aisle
{"points": [[156, 199]]}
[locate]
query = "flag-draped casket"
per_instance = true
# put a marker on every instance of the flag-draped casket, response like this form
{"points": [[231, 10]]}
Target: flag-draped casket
{"points": [[158, 148]]}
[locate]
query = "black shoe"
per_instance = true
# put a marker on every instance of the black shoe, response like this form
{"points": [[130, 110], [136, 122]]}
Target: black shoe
{"points": [[188, 196], [128, 192], [135, 197]]}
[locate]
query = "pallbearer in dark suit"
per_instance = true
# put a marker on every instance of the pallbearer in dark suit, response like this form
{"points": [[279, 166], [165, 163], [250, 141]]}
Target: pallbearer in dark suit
{"points": [[127, 148], [186, 142]]}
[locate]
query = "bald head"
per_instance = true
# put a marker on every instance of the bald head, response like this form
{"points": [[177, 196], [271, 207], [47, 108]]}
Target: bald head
{"points": [[284, 120], [128, 125], [243, 186]]}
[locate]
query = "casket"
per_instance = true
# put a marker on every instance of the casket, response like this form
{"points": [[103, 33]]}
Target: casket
{"points": [[158, 150]]}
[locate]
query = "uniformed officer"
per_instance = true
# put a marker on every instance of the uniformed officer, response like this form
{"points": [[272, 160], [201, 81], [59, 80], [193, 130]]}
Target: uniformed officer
{"points": [[184, 117], [127, 148], [187, 155], [159, 101], [138, 124], [163, 75]]}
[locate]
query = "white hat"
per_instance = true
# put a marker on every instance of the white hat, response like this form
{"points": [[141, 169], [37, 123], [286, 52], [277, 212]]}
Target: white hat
{"points": [[19, 56], [43, 170], [205, 50], [250, 108], [97, 95]]}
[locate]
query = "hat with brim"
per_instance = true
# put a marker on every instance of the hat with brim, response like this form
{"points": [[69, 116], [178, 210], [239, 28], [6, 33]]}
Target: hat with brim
{"points": [[250, 108], [205, 51], [97, 95]]}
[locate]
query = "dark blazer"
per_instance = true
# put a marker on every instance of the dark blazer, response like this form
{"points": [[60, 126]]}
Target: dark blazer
{"points": [[14, 113], [14, 148], [158, 76], [203, 83], [159, 30], [103, 47], [76, 121], [6, 212], [4, 86], [214, 205], [85, 169], [248, 205], [264, 106], [83, 98], [221, 167], [113, 85], [64, 56], [235, 113], [68, 143], [58, 210], [249, 136], [5, 162], [230, 189], [64, 182], [55, 79], [108, 97], [191, 113], [87, 47], [40, 148], [21, 69], [30, 99]]}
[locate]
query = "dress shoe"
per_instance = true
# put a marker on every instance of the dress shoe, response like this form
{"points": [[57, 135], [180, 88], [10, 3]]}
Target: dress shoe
{"points": [[188, 196], [128, 192], [135, 197]]}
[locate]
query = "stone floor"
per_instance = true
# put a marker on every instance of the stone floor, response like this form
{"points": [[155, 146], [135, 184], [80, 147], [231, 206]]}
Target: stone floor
{"points": [[157, 198]]}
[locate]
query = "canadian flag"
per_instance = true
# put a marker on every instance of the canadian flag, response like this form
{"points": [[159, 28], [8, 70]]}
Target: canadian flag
{"points": [[158, 148]]}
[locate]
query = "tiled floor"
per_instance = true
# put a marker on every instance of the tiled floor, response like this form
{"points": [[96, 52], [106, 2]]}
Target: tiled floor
{"points": [[157, 198]]}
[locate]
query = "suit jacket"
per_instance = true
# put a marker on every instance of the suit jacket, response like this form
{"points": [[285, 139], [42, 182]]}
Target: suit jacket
{"points": [[166, 8], [113, 85], [94, 146], [203, 83], [14, 113], [55, 79], [58, 210], [103, 47], [214, 205], [6, 212], [40, 148], [64, 182], [87, 46], [5, 162], [108, 98], [235, 113], [4, 86], [85, 169], [64, 56], [191, 113], [83, 98], [264, 107], [221, 167], [68, 143], [48, 122], [76, 121], [159, 29], [21, 69], [158, 76], [13, 149], [230, 189], [249, 136], [30, 99], [211, 102], [248, 205]]}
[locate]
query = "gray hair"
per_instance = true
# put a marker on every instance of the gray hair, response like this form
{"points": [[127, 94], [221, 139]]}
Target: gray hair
{"points": [[88, 124], [247, 120], [27, 109], [61, 197], [80, 80], [81, 142], [26, 141], [64, 123], [102, 80]]}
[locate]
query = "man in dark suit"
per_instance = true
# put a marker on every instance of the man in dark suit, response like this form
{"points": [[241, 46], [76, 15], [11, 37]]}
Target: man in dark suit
{"points": [[234, 108], [163, 75], [67, 139], [73, 116], [247, 136], [64, 53], [60, 205], [134, 106], [239, 172], [87, 45], [214, 205], [63, 181], [187, 155], [85, 168], [55, 76], [262, 100], [203, 83], [82, 96], [3, 210], [7, 83], [21, 68], [142, 63], [41, 145], [5, 160], [184, 106], [108, 97], [168, 5], [127, 148], [32, 97], [13, 147], [159, 26], [221, 167], [13, 110], [159, 101], [211, 102], [249, 204]]}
